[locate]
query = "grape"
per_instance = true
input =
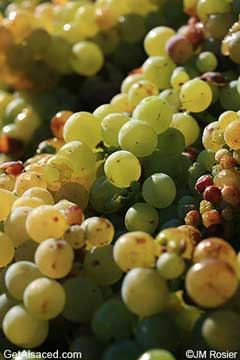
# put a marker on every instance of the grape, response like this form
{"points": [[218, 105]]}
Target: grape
{"points": [[84, 17], [230, 97], [155, 111], [28, 180], [98, 231], [231, 136], [125, 349], [134, 249], [207, 159], [158, 69], [221, 330], [87, 58], [137, 137], [174, 137], [179, 77], [19, 275], [155, 41], [122, 168], [104, 110], [73, 192], [137, 283], [179, 48], [157, 355], [159, 190], [217, 25], [5, 304], [81, 157], [141, 90], [15, 225], [112, 320], [57, 171], [211, 283], [7, 182], [170, 266], [155, 330], [40, 193], [121, 103], [206, 61], [54, 258], [86, 345], [27, 202], [142, 217], [226, 118], [213, 136], [26, 251], [24, 330], [7, 198], [215, 248], [83, 297], [129, 81], [110, 125], [6, 250], [196, 95], [44, 298], [206, 8], [228, 177], [45, 222], [75, 236], [188, 127], [171, 96], [83, 127], [126, 25]]}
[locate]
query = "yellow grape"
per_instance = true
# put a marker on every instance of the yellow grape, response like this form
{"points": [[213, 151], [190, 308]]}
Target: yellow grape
{"points": [[7, 199], [156, 39], [28, 180], [40, 193], [227, 117], [6, 250], [232, 135], [28, 201], [99, 231]]}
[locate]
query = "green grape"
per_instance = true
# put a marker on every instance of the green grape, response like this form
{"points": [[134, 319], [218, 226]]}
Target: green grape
{"points": [[196, 95], [129, 81], [137, 137], [105, 197], [83, 127], [217, 25], [19, 275], [174, 137], [73, 192], [171, 96], [157, 330], [84, 17], [126, 25], [5, 99], [207, 159], [179, 77], [221, 330], [26, 123], [188, 126], [26, 251], [157, 355], [27, 180], [155, 111], [101, 267], [87, 58], [122, 168], [15, 225], [6, 249], [170, 266], [230, 97], [110, 125], [124, 349], [44, 298], [134, 249], [158, 70], [142, 217], [75, 236], [108, 41], [54, 258], [141, 90], [99, 231], [104, 110], [38, 41], [40, 193], [211, 283], [112, 320], [137, 283], [5, 304], [27, 202], [206, 61], [58, 54], [45, 222], [7, 198], [156, 39], [86, 345], [159, 190], [14, 108], [24, 330], [83, 297], [121, 103], [213, 137], [57, 171], [208, 7]]}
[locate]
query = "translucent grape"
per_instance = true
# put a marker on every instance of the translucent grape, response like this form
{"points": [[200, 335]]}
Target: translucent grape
{"points": [[57, 171], [84, 17], [141, 90], [196, 95], [54, 258], [157, 355], [7, 198], [98, 231], [6, 303], [206, 61], [206, 8], [44, 298], [58, 121], [211, 283], [134, 249], [170, 266], [142, 217], [137, 137], [83, 297], [72, 192], [27, 201], [226, 118], [19, 275], [40, 193], [122, 168], [156, 39], [75, 236], [24, 330], [110, 125], [83, 127], [228, 177], [6, 250], [174, 137], [45, 222], [188, 126], [213, 137], [155, 111], [129, 81], [231, 135], [129, 22], [15, 225], [28, 180], [121, 103], [172, 98], [137, 283], [179, 48], [159, 190], [179, 77], [103, 111], [158, 69], [101, 267], [87, 58]]}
